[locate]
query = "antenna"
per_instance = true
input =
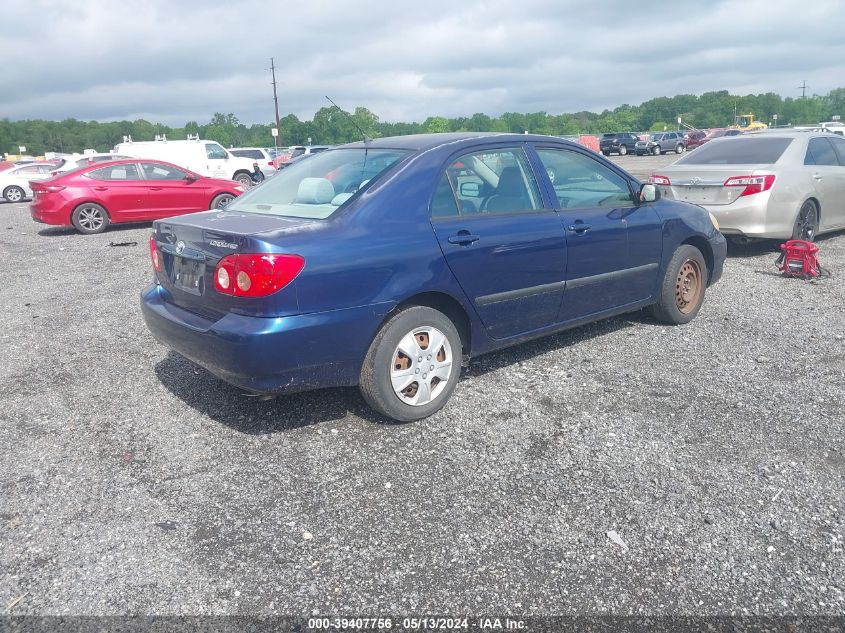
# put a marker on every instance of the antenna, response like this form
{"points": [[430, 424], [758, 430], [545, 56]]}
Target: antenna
{"points": [[275, 101], [366, 138]]}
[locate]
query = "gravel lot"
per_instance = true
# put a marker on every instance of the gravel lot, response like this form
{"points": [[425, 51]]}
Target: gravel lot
{"points": [[133, 482]]}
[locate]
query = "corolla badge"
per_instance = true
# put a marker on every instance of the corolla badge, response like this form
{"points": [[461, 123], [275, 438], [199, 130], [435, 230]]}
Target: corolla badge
{"points": [[180, 247], [222, 244], [695, 180]]}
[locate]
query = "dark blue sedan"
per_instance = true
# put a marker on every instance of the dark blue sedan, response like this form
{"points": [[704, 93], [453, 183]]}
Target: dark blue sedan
{"points": [[389, 263]]}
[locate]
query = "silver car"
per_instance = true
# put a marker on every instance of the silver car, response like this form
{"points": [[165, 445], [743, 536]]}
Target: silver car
{"points": [[14, 182], [777, 185]]}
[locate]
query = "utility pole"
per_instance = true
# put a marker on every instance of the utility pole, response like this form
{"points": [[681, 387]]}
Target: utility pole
{"points": [[803, 87], [275, 101]]}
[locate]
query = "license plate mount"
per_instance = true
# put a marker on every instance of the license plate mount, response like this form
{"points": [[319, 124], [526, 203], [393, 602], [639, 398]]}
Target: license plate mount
{"points": [[188, 274]]}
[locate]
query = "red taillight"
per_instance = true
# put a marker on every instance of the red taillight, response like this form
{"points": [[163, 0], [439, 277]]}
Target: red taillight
{"points": [[752, 184], [659, 180], [42, 188], [154, 254], [269, 163], [256, 275]]}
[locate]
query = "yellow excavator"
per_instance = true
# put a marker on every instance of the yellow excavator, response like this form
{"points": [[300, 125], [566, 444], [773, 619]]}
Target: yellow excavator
{"points": [[746, 123]]}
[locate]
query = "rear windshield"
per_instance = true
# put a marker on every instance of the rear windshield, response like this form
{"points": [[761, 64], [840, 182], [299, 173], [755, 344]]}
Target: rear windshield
{"points": [[317, 187], [741, 150]]}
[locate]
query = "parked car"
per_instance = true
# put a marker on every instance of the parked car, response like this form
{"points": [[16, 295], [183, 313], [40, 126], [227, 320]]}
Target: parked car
{"points": [[768, 185], [92, 197], [68, 164], [660, 143], [696, 138], [258, 155], [618, 143], [444, 247], [205, 158], [15, 181]]}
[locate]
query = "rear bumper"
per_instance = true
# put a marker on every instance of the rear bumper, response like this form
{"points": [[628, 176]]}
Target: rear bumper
{"points": [[268, 355], [49, 214], [760, 215]]}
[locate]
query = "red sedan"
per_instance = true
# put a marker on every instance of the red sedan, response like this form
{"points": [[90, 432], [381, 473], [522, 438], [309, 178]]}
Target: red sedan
{"points": [[92, 197]]}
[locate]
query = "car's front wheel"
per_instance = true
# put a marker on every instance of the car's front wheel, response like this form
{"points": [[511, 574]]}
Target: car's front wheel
{"points": [[623, 150], [221, 201], [90, 218], [679, 149], [413, 364], [244, 179], [13, 194], [656, 150], [682, 290]]}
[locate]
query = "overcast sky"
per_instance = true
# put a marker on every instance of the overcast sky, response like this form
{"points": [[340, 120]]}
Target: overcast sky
{"points": [[172, 61]]}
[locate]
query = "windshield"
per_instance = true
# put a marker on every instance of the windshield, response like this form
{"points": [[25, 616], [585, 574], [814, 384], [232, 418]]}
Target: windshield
{"points": [[740, 150], [317, 187]]}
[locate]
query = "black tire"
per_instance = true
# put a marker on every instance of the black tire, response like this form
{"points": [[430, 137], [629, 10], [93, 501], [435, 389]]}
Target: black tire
{"points": [[13, 194], [623, 150], [244, 178], [679, 149], [678, 301], [656, 150], [90, 218], [806, 225], [220, 201], [384, 357], [605, 153]]}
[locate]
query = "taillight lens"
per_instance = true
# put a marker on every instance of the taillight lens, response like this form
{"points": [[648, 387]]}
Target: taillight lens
{"points": [[154, 254], [48, 188], [751, 184], [256, 275], [659, 180]]}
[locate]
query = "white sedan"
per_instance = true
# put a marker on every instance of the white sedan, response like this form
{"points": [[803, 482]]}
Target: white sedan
{"points": [[776, 185], [14, 182]]}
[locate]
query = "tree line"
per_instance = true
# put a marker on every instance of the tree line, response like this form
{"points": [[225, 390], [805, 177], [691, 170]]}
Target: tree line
{"points": [[330, 126]]}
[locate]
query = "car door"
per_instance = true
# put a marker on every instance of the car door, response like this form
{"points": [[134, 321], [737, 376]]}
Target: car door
{"points": [[121, 190], [601, 215], [828, 179], [171, 192], [504, 244], [216, 161]]}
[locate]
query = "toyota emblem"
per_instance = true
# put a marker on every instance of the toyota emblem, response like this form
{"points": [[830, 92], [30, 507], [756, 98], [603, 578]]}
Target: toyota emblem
{"points": [[180, 246], [695, 180]]}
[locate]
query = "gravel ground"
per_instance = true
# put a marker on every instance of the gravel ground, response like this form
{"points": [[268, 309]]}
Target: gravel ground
{"points": [[133, 482]]}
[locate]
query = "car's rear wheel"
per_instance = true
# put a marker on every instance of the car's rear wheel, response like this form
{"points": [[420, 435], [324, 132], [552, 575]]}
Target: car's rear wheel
{"points": [[680, 148], [13, 194], [682, 290], [413, 364], [656, 150], [623, 150], [807, 222], [90, 218], [221, 201], [245, 179]]}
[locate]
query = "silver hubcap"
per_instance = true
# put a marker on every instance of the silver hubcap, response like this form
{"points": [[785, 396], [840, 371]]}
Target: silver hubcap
{"points": [[14, 195], [90, 218], [421, 367], [224, 201]]}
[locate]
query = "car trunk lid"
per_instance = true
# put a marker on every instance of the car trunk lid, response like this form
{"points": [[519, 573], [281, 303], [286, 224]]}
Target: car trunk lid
{"points": [[705, 184]]}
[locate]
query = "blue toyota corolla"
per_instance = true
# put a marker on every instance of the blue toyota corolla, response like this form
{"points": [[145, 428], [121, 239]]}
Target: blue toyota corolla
{"points": [[389, 263]]}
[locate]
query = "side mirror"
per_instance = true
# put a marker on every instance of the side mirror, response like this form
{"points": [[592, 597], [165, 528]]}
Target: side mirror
{"points": [[470, 189], [189, 178], [649, 193]]}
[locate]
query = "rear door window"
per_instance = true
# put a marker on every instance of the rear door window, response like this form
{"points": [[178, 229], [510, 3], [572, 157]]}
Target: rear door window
{"points": [[820, 152], [747, 150], [126, 171]]}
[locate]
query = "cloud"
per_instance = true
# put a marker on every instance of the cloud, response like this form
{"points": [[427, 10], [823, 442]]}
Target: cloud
{"points": [[178, 61]]}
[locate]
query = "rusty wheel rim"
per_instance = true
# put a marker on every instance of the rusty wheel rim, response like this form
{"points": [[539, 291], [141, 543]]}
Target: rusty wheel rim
{"points": [[421, 366], [688, 286]]}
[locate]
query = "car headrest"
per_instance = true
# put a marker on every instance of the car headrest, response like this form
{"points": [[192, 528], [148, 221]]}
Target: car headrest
{"points": [[315, 191], [340, 198], [510, 183]]}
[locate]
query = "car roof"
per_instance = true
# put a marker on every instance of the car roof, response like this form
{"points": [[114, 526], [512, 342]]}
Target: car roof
{"points": [[420, 142]]}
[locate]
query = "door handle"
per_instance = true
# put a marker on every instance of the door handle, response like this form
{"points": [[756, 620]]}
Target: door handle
{"points": [[579, 227], [817, 177], [101, 188], [464, 238], [155, 188]]}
